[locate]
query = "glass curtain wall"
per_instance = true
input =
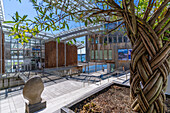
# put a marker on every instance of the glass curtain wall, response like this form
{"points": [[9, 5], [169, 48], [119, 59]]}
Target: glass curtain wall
{"points": [[25, 56]]}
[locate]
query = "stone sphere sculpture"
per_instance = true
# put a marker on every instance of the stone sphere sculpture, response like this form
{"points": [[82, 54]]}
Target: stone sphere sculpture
{"points": [[33, 89]]}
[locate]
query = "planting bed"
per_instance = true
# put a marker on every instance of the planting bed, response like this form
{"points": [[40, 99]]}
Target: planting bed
{"points": [[114, 99]]}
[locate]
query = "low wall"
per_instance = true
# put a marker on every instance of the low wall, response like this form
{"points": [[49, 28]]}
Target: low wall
{"points": [[168, 87], [10, 82]]}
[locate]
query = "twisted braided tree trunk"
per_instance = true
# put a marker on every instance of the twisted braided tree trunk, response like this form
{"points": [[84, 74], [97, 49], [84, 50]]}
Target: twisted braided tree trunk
{"points": [[149, 64], [149, 71]]}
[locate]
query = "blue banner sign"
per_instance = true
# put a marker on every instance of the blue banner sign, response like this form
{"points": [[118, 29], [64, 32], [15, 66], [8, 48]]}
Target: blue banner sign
{"points": [[36, 49], [129, 53], [123, 54]]}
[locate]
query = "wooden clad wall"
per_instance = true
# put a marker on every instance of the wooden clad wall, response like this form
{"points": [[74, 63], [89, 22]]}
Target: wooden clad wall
{"points": [[50, 55], [61, 57], [71, 55], [3, 63]]}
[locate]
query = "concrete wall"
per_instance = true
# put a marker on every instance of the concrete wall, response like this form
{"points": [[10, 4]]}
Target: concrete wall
{"points": [[10, 82]]}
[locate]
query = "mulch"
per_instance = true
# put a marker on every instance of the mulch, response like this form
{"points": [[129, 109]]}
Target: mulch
{"points": [[114, 99]]}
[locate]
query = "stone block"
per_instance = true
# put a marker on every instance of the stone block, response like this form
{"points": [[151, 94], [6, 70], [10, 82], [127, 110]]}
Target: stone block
{"points": [[31, 108]]}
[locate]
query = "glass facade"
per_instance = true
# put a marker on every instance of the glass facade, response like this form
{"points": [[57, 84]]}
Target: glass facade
{"points": [[120, 39], [25, 56], [110, 54], [115, 39], [92, 54], [96, 55], [108, 40], [105, 54], [125, 39], [101, 54]]}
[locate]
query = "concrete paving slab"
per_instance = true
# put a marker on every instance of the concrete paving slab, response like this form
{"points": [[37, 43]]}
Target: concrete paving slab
{"points": [[57, 94]]}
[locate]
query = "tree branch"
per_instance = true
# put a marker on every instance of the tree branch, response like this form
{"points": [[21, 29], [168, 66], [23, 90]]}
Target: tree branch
{"points": [[115, 5], [160, 24], [115, 28], [110, 21], [132, 9], [104, 11], [167, 26], [158, 12], [149, 8]]}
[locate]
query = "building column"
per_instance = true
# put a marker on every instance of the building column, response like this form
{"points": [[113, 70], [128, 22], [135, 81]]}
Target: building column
{"points": [[65, 53], [56, 53], [103, 47], [116, 56], [107, 47], [108, 67], [94, 45], [1, 49], [122, 39], [112, 48], [98, 45]]}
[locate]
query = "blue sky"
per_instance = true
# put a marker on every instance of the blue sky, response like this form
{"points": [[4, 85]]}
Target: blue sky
{"points": [[26, 8]]}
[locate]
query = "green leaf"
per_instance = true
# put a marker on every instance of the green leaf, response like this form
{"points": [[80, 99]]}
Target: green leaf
{"points": [[74, 40], [72, 17], [67, 26], [71, 42], [17, 16], [166, 39], [58, 40], [86, 23], [16, 37], [9, 22], [90, 20], [25, 16], [82, 42]]}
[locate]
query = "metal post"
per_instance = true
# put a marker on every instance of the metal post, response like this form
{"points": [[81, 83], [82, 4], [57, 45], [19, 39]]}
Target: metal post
{"points": [[1, 47], [88, 67], [85, 68], [41, 53], [80, 55], [98, 45]]}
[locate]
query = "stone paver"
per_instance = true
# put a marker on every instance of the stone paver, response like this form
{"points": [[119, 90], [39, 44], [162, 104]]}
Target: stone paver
{"points": [[57, 95]]}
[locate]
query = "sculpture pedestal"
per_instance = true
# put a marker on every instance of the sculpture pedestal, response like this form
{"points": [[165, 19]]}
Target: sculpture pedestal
{"points": [[31, 108]]}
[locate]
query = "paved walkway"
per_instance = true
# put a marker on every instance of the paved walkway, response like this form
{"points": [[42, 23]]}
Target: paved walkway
{"points": [[59, 93]]}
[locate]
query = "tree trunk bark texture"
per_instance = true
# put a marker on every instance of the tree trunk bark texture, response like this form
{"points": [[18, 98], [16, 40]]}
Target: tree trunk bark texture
{"points": [[149, 68]]}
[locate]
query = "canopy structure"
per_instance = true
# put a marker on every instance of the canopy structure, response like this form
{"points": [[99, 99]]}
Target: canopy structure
{"points": [[2, 15], [64, 35]]}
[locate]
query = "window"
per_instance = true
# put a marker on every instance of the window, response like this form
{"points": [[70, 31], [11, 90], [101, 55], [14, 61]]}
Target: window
{"points": [[7, 38], [105, 54], [92, 40], [125, 39], [92, 54], [96, 54], [115, 39], [105, 40], [96, 40], [110, 54], [110, 39], [101, 54], [120, 39]]}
